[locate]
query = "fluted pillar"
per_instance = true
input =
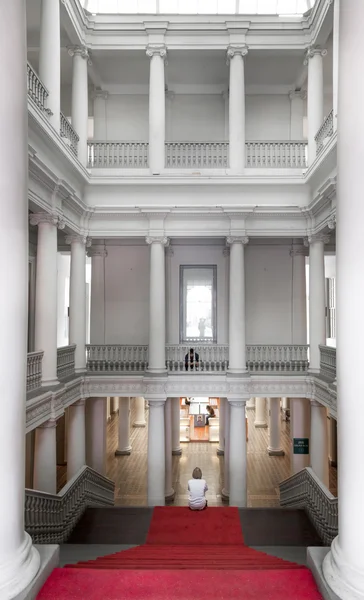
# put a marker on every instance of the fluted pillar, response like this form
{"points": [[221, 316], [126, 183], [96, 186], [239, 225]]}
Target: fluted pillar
{"points": [[319, 442], [139, 412], [156, 453], [46, 294], [77, 311], [260, 412], [176, 429], [221, 446], [157, 107], [124, 447], [45, 458], [298, 253], [96, 434], [236, 54], [100, 117], [300, 430], [275, 426], [76, 442], [315, 97], [81, 59], [50, 57], [19, 560], [237, 342], [297, 98], [238, 455], [169, 491], [98, 256], [317, 319], [157, 305], [225, 490]]}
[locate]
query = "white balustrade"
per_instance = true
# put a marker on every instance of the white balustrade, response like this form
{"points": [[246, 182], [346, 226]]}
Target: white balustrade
{"points": [[328, 362], [211, 357], [197, 155], [37, 91], [276, 155], [69, 135], [49, 519], [118, 155], [277, 358], [116, 358], [66, 361], [34, 370], [326, 130], [305, 490]]}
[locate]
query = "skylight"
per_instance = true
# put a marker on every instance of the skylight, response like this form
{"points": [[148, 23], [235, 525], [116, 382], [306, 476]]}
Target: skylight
{"points": [[204, 7]]}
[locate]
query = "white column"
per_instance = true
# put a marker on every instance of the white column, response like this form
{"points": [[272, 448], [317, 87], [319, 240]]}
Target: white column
{"points": [[285, 407], [235, 54], [250, 404], [63, 272], [238, 458], [176, 430], [315, 97], [96, 434], [139, 412], [124, 447], [225, 490], [260, 412], [46, 294], [319, 442], [344, 566], [156, 453], [157, 305], [299, 312], [300, 429], [114, 406], [157, 107], [98, 255], [81, 59], [335, 60], [19, 561], [100, 116], [169, 491], [275, 446], [237, 361], [76, 438], [45, 458], [50, 57], [297, 109], [317, 323], [221, 446], [77, 328]]}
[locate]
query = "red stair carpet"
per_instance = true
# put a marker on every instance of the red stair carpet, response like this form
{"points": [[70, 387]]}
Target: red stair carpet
{"points": [[178, 562]]}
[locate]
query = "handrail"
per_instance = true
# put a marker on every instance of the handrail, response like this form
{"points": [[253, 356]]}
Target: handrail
{"points": [[37, 90], [68, 133], [50, 518], [326, 130], [305, 490]]}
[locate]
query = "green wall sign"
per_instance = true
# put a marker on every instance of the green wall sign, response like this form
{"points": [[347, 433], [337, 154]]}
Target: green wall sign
{"points": [[301, 446]]}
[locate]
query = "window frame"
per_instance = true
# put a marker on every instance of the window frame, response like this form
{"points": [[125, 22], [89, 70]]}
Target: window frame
{"points": [[182, 306]]}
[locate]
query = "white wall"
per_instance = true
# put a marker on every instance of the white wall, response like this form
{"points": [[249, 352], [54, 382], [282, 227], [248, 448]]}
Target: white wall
{"points": [[196, 118], [127, 295], [268, 117], [127, 117]]}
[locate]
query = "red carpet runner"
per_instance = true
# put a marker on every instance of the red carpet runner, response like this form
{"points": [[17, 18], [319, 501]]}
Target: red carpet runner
{"points": [[178, 562]]}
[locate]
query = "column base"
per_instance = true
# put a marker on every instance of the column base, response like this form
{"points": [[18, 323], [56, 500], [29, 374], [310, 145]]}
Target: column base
{"points": [[49, 560], [177, 452], [313, 371], [124, 452], [225, 494], [169, 496], [260, 424], [275, 452], [20, 571], [237, 372], [139, 424], [315, 558], [156, 371], [80, 370], [50, 382], [249, 407], [343, 579], [220, 452]]}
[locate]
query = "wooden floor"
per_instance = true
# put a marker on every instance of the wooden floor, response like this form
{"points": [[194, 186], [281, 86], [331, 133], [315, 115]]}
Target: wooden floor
{"points": [[263, 477]]}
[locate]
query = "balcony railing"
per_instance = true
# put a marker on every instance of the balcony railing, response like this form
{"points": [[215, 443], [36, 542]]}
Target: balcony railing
{"points": [[283, 358], [116, 358], [209, 357], [69, 135], [197, 155], [34, 370], [305, 490], [36, 90], [118, 155], [326, 130], [276, 155], [66, 361], [328, 362]]}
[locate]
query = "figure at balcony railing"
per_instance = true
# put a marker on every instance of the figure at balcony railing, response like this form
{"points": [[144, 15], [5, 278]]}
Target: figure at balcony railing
{"points": [[192, 361]]}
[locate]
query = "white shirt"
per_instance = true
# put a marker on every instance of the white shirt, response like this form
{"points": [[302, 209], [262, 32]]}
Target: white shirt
{"points": [[197, 489]]}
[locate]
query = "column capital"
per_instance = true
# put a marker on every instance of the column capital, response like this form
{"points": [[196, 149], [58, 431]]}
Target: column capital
{"points": [[317, 237], [78, 239], [297, 95], [237, 239], [236, 50], [98, 93], [156, 50], [37, 218], [99, 251], [312, 51], [237, 403], [157, 403], [316, 404], [51, 424], [82, 51], [226, 251], [157, 240], [81, 402], [299, 250], [332, 223]]}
